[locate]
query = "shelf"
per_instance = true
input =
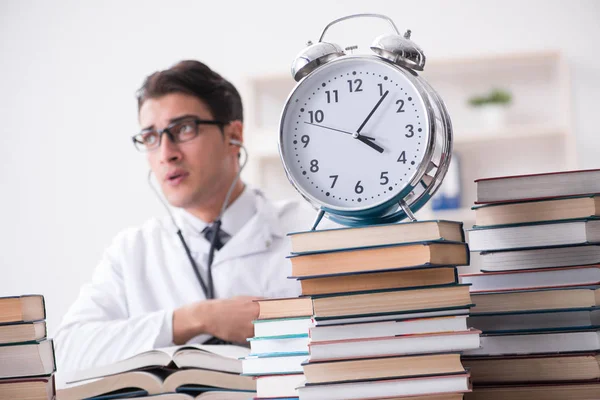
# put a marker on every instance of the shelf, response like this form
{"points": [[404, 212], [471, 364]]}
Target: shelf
{"points": [[509, 132]]}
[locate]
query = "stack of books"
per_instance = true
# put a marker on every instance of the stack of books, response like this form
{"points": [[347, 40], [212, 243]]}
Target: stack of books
{"points": [[26, 356], [206, 372], [389, 317], [279, 346], [537, 295]]}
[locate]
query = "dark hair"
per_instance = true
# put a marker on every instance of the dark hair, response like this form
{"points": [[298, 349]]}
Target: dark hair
{"points": [[196, 79]]}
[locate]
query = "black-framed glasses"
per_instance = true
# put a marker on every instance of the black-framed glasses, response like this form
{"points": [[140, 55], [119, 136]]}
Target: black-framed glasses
{"points": [[178, 132]]}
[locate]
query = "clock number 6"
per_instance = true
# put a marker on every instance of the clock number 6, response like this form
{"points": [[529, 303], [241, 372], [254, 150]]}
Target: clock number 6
{"points": [[410, 133], [358, 189]]}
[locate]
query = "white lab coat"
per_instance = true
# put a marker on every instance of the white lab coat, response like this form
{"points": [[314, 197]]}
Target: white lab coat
{"points": [[145, 275]]}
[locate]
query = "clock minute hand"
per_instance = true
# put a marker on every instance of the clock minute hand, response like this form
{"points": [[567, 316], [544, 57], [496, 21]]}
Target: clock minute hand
{"points": [[372, 112]]}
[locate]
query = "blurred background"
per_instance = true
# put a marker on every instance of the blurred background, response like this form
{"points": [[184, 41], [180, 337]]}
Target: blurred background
{"points": [[521, 81]]}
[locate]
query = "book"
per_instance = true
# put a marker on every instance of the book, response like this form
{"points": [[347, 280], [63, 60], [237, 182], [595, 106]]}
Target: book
{"points": [[383, 367], [537, 321], [568, 256], [388, 328], [538, 186], [380, 259], [440, 312], [22, 308], [537, 211], [534, 368], [540, 300], [274, 364], [536, 343], [158, 381], [288, 307], [386, 388], [224, 358], [541, 278], [22, 332], [375, 235], [277, 386], [27, 359], [35, 388], [550, 234], [394, 345], [379, 281], [392, 302], [282, 326], [564, 391], [297, 343]]}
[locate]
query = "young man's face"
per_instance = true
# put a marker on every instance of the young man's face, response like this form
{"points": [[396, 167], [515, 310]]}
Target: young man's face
{"points": [[190, 172]]}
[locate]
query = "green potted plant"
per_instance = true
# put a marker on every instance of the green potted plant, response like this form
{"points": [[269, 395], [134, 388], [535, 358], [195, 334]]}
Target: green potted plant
{"points": [[491, 107]]}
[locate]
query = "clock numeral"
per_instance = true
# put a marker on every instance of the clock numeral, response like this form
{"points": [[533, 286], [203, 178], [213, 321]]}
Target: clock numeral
{"points": [[314, 166], [334, 180], [401, 108], [380, 88], [402, 157], [305, 139], [384, 178], [358, 189], [357, 82], [329, 96], [410, 133], [317, 116]]}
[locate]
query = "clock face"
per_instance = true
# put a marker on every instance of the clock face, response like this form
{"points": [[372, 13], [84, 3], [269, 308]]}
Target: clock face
{"points": [[354, 133]]}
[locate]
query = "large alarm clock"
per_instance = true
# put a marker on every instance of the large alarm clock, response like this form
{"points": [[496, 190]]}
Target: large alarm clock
{"points": [[364, 138]]}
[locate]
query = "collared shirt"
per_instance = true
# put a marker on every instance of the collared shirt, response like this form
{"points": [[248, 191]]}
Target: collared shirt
{"points": [[239, 212]]}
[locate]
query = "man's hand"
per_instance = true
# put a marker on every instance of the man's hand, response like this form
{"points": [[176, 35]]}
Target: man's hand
{"points": [[228, 319]]}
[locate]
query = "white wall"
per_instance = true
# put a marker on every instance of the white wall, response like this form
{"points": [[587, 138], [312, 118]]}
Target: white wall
{"points": [[70, 178]]}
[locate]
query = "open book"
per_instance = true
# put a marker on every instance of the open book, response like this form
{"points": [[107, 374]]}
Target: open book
{"points": [[190, 369]]}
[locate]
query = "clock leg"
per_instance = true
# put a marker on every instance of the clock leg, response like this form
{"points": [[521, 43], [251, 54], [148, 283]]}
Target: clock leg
{"points": [[407, 210], [317, 220]]}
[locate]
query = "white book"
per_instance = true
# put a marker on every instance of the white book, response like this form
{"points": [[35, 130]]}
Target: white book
{"points": [[536, 320], [279, 385], [537, 343], [538, 235], [225, 358], [274, 364], [395, 345], [279, 344], [386, 388], [538, 279], [388, 328], [282, 326], [540, 258]]}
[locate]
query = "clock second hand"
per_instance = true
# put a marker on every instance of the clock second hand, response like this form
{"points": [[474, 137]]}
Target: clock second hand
{"points": [[365, 139], [337, 130]]}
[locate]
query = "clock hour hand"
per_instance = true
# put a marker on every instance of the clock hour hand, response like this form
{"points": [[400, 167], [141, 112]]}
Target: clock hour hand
{"points": [[369, 142]]}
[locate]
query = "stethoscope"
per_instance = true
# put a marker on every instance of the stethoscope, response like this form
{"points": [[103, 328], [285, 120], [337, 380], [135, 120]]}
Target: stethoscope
{"points": [[207, 287]]}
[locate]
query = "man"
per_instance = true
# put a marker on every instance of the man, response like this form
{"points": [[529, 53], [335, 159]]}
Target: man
{"points": [[145, 293]]}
